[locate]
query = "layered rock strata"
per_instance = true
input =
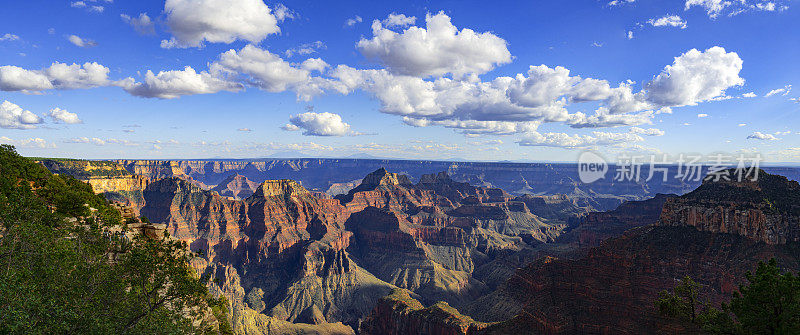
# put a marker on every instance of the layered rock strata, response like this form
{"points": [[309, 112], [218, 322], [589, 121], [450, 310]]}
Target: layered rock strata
{"points": [[767, 209]]}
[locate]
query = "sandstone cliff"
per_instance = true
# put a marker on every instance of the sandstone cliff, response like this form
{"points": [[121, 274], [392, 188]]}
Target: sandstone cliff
{"points": [[430, 237], [595, 227], [281, 248], [236, 186], [767, 209]]}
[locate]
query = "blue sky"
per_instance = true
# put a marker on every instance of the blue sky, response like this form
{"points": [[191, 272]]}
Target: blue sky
{"points": [[454, 81]]}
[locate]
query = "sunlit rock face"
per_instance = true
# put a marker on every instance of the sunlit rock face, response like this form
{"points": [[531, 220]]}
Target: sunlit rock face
{"points": [[281, 241], [767, 209], [292, 260], [236, 186], [315, 258], [429, 237]]}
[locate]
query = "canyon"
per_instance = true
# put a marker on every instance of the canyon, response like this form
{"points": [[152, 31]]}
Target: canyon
{"points": [[337, 176], [306, 246], [714, 235]]}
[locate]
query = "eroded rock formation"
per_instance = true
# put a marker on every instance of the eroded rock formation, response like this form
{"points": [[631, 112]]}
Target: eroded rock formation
{"points": [[429, 237], [236, 186], [767, 209], [613, 287], [294, 260], [399, 313]]}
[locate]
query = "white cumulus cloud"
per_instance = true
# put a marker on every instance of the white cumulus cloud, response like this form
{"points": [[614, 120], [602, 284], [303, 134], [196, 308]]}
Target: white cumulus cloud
{"points": [[647, 131], [86, 140], [269, 71], [696, 76], [74, 76], [544, 85], [438, 49], [63, 116], [353, 20], [37, 143], [562, 140], [715, 8], [318, 124], [782, 91], [57, 76], [13, 116], [195, 22], [14, 78], [619, 2], [176, 83], [757, 135], [283, 13], [9, 37], [305, 49], [474, 127], [395, 20]]}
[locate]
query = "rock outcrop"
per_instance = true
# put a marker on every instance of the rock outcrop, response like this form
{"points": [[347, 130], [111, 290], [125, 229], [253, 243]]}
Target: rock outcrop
{"points": [[399, 314], [429, 237], [106, 177], [236, 186], [613, 287], [281, 241], [767, 209], [293, 260], [595, 227]]}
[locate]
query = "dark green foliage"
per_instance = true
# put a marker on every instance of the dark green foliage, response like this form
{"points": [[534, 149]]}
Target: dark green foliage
{"points": [[768, 304], [64, 271], [682, 302], [685, 303], [219, 307]]}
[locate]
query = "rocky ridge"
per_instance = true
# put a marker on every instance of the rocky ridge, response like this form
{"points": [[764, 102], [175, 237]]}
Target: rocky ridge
{"points": [[430, 237], [766, 209], [612, 287], [399, 313], [292, 261], [275, 255], [285, 256], [236, 186], [329, 174]]}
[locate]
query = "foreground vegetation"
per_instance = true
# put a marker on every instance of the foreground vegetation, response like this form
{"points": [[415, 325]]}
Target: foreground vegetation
{"points": [[66, 269], [768, 304]]}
